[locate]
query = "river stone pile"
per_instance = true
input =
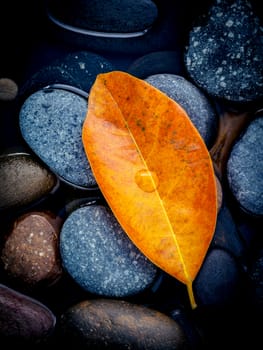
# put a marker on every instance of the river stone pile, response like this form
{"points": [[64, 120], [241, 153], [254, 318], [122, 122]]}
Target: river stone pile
{"points": [[108, 295]]}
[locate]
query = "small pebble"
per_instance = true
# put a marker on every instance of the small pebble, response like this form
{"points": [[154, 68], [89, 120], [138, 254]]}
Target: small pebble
{"points": [[8, 89], [100, 257], [24, 181], [30, 254]]}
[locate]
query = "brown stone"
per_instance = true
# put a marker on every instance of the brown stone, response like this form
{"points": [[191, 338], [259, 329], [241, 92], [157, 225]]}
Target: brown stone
{"points": [[8, 89], [30, 252], [23, 181], [117, 324]]}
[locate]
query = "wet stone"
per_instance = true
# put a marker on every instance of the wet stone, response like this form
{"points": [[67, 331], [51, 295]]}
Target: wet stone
{"points": [[113, 16], [224, 55], [194, 102], [245, 168], [100, 257], [29, 321], [116, 324], [30, 255], [116, 27], [78, 69], [24, 181], [51, 124]]}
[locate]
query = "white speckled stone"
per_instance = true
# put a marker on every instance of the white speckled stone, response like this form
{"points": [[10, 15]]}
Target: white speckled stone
{"points": [[245, 168], [225, 52], [51, 124], [100, 257]]}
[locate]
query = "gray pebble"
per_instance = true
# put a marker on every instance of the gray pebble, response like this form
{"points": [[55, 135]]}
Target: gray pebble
{"points": [[100, 257], [245, 168], [195, 103], [51, 124], [78, 69], [225, 52]]}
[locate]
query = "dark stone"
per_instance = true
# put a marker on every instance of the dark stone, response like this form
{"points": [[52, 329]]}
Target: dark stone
{"points": [[116, 324], [224, 55], [195, 103], [30, 254], [157, 63], [219, 282], [226, 234], [153, 35], [51, 124], [244, 168], [24, 181], [78, 69], [100, 257], [256, 277], [24, 320], [113, 16]]}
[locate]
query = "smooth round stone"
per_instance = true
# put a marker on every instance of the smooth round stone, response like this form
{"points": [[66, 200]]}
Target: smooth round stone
{"points": [[134, 29], [8, 89], [117, 324], [51, 124], [193, 101], [156, 63], [224, 55], [219, 282], [113, 16], [24, 320], [30, 254], [78, 69], [245, 168], [24, 181], [100, 257]]}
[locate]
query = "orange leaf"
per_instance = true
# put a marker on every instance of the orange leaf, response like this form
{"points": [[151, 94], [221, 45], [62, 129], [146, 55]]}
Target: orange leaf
{"points": [[154, 171]]}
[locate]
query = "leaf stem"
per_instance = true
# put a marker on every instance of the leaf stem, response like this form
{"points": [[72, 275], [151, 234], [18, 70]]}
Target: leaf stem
{"points": [[191, 295]]}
